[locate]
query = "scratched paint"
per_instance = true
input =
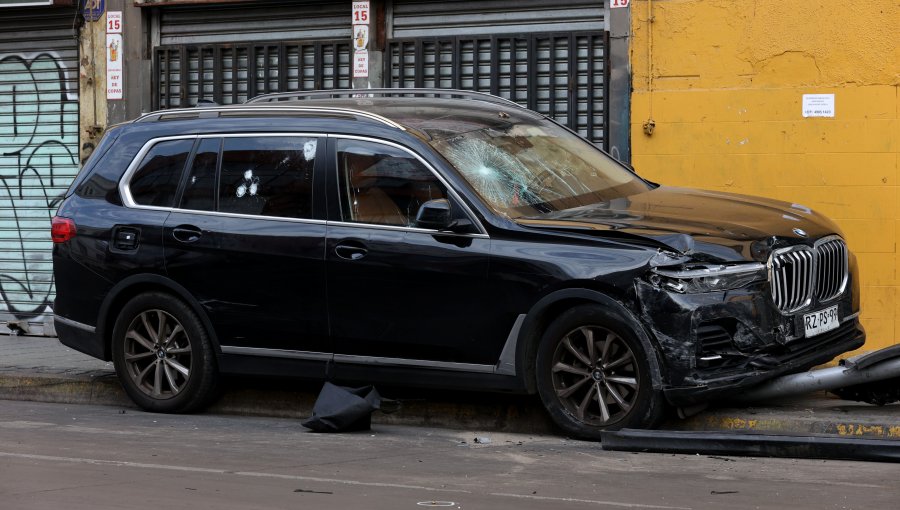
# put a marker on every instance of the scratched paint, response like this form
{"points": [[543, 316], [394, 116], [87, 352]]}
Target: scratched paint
{"points": [[38, 160]]}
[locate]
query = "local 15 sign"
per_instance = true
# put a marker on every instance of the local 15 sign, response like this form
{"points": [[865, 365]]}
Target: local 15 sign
{"points": [[360, 13], [615, 4]]}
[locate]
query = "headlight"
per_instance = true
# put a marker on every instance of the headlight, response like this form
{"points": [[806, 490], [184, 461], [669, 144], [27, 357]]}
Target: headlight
{"points": [[695, 278]]}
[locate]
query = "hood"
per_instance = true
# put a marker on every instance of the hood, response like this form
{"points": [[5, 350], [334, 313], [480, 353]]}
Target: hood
{"points": [[713, 225]]}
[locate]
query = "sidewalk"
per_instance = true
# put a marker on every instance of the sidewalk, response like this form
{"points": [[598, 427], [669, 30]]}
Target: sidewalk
{"points": [[41, 369]]}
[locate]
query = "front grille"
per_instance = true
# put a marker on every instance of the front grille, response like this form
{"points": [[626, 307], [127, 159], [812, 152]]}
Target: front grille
{"points": [[831, 273], [800, 273]]}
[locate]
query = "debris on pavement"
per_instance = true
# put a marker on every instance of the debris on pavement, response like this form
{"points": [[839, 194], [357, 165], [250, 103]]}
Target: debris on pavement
{"points": [[343, 409]]}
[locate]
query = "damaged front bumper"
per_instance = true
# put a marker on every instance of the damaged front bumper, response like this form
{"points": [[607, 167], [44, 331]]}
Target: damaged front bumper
{"points": [[716, 343]]}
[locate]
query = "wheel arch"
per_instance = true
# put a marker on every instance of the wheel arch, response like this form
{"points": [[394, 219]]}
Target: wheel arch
{"points": [[133, 285], [545, 310]]}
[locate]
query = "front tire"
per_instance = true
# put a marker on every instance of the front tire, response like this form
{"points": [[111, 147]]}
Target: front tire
{"points": [[593, 374], [163, 356]]}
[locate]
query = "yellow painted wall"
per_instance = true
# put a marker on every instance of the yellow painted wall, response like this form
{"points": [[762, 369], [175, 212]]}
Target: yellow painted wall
{"points": [[727, 82]]}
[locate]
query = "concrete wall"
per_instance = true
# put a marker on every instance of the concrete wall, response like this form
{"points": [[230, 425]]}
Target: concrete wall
{"points": [[727, 81]]}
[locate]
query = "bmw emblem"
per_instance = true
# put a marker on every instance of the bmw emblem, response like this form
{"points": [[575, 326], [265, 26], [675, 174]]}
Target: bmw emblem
{"points": [[800, 232]]}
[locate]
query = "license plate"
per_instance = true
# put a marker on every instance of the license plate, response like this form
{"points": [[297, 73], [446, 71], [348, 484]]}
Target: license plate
{"points": [[819, 322]]}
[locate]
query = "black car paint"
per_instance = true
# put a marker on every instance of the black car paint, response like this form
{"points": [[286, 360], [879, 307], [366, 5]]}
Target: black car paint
{"points": [[531, 267]]}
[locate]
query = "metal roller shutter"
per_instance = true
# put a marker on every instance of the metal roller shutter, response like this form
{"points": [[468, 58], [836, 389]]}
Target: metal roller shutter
{"points": [[430, 18], [549, 57], [559, 75], [229, 53], [38, 154], [259, 21]]}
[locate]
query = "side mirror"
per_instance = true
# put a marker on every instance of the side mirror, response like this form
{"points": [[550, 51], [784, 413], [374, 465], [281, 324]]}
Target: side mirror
{"points": [[434, 214]]}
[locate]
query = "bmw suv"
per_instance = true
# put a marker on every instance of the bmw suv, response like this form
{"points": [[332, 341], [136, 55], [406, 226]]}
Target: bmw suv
{"points": [[434, 238]]}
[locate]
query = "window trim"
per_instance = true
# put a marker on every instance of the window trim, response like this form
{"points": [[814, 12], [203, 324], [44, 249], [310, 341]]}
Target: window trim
{"points": [[482, 232], [128, 200]]}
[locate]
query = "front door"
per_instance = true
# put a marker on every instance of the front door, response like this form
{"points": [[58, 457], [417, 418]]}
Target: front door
{"points": [[398, 293]]}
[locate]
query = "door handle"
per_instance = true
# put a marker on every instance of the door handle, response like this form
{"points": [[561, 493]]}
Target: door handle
{"points": [[186, 233], [350, 250]]}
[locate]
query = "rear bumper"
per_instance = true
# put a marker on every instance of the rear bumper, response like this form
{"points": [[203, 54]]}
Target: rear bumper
{"points": [[81, 337]]}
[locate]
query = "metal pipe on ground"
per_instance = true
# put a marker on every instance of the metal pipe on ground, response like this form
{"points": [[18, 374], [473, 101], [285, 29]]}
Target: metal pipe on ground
{"points": [[871, 367]]}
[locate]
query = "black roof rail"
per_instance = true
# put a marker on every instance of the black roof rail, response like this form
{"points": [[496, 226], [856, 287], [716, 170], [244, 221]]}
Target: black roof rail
{"points": [[271, 109], [363, 93]]}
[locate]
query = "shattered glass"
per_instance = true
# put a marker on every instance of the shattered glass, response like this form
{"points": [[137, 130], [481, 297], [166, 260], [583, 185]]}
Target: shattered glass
{"points": [[530, 170]]}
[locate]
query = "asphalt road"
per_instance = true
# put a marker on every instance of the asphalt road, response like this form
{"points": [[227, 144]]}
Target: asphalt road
{"points": [[55, 456]]}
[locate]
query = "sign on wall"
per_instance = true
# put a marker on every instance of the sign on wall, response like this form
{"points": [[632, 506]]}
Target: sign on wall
{"points": [[616, 4], [360, 19], [92, 10], [115, 47], [818, 105]]}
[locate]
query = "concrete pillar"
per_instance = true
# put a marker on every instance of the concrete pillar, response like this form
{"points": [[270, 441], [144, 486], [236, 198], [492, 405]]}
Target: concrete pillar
{"points": [[92, 85]]}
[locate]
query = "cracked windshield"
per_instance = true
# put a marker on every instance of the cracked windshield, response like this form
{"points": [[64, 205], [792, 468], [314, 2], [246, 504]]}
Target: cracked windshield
{"points": [[533, 170]]}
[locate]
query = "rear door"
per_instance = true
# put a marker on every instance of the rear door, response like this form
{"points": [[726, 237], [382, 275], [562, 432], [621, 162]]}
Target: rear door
{"points": [[247, 241]]}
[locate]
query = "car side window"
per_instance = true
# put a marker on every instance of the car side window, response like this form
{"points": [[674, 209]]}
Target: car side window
{"points": [[268, 176], [383, 185], [200, 189], [156, 180]]}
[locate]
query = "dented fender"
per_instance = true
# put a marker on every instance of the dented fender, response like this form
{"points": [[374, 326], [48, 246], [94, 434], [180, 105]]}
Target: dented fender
{"points": [[529, 336]]}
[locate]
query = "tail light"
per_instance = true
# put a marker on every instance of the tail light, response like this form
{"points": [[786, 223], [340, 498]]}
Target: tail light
{"points": [[62, 229]]}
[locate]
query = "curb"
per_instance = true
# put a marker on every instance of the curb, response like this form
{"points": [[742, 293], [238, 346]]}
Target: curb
{"points": [[466, 411], [488, 413], [735, 421]]}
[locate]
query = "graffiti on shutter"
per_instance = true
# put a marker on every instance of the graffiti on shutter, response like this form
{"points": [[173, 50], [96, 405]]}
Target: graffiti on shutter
{"points": [[38, 160]]}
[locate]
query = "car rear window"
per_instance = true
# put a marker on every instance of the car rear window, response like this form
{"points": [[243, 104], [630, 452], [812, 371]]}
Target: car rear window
{"points": [[268, 176], [157, 178]]}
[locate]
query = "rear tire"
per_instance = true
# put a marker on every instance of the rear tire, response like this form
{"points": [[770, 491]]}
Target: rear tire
{"points": [[593, 374], [163, 355]]}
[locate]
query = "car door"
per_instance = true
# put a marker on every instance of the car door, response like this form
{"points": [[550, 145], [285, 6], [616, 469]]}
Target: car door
{"points": [[245, 241], [398, 294]]}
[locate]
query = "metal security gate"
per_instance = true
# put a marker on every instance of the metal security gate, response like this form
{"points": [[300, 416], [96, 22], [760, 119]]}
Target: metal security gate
{"points": [[38, 156], [559, 75], [231, 74], [231, 52], [549, 56]]}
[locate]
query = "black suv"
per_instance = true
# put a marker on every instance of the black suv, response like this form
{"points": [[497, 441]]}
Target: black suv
{"points": [[434, 238]]}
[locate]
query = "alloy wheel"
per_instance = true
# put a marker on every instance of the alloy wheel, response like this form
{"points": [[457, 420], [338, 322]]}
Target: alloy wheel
{"points": [[595, 375], [157, 354]]}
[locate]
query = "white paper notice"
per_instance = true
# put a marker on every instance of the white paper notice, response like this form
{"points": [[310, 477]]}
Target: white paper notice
{"points": [[818, 105], [114, 50], [361, 64]]}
